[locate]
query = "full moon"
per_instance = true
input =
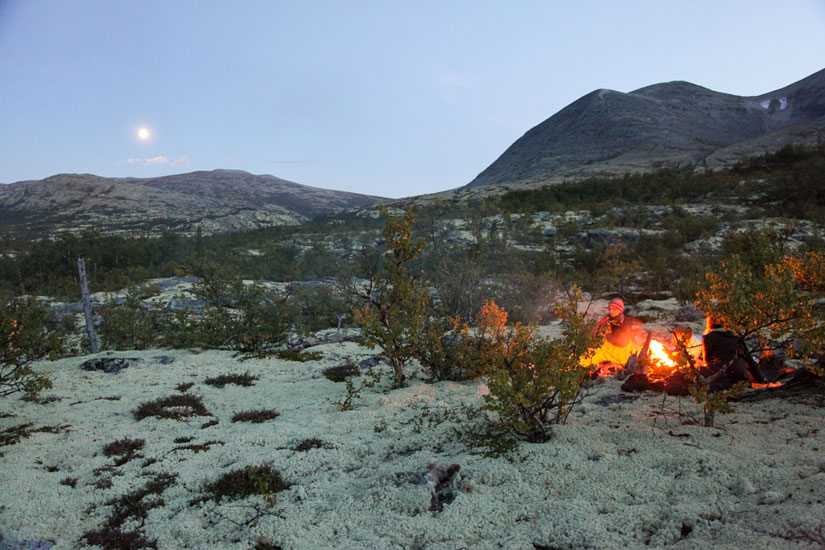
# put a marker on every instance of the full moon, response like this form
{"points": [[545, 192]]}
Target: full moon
{"points": [[143, 134]]}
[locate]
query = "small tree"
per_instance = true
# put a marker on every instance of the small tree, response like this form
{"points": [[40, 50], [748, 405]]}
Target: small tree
{"points": [[28, 332], [535, 382], [396, 300], [130, 325]]}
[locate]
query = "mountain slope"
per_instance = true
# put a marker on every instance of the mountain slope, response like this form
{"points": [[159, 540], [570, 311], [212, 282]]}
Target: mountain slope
{"points": [[217, 201], [675, 123]]}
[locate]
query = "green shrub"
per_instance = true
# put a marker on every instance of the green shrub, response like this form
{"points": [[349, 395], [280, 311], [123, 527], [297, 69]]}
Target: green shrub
{"points": [[130, 325], [255, 416], [772, 305], [174, 406], [28, 332], [299, 356], [238, 379], [396, 301], [340, 373], [251, 480], [535, 382], [451, 351], [318, 307]]}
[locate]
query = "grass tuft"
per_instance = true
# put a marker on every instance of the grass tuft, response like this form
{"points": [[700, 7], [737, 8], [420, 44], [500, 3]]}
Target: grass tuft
{"points": [[222, 380], [134, 506], [298, 356], [69, 481], [308, 444], [340, 373], [174, 406], [241, 483], [255, 416], [183, 387]]}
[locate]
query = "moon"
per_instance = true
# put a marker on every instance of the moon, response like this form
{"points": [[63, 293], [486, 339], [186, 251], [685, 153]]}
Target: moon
{"points": [[143, 134]]}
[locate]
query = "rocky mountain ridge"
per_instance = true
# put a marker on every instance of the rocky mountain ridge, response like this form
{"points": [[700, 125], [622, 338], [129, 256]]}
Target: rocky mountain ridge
{"points": [[216, 202], [677, 123]]}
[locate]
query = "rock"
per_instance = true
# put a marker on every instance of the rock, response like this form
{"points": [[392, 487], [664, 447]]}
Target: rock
{"points": [[188, 305], [371, 361], [447, 483], [163, 359], [688, 314], [110, 365]]}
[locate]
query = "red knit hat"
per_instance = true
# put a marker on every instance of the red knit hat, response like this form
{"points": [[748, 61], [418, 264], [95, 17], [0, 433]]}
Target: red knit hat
{"points": [[616, 302]]}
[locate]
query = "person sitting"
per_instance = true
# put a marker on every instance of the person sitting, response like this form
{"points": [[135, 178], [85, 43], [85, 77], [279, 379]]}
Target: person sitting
{"points": [[727, 360], [620, 334]]}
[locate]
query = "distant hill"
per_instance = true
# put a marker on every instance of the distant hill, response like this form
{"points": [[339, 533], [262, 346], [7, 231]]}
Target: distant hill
{"points": [[216, 201], [671, 124]]}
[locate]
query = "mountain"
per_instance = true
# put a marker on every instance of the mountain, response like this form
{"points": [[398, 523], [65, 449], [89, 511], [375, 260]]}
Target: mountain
{"points": [[671, 124], [216, 201]]}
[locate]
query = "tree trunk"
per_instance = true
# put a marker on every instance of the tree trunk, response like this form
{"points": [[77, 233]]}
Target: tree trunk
{"points": [[87, 306]]}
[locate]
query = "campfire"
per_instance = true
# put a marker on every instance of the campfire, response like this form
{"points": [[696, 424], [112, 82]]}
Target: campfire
{"points": [[657, 361], [654, 359], [660, 365]]}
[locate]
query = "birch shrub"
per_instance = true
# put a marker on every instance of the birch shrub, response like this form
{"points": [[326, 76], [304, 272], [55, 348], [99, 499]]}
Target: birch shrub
{"points": [[534, 381], [28, 332], [396, 300]]}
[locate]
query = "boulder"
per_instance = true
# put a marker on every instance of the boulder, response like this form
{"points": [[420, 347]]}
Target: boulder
{"points": [[110, 365]]}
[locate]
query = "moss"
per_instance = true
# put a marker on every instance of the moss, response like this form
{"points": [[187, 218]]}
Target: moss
{"points": [[221, 380], [241, 483], [133, 506], [298, 356], [40, 400], [174, 406], [69, 481], [341, 372], [308, 444], [184, 387], [196, 448], [255, 416], [123, 447], [13, 435]]}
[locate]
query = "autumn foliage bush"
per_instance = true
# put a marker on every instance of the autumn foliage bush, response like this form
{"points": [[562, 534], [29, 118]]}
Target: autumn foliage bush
{"points": [[535, 381], [771, 300]]}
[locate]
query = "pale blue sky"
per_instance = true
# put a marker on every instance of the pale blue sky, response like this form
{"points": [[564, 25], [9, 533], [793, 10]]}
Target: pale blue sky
{"points": [[393, 98]]}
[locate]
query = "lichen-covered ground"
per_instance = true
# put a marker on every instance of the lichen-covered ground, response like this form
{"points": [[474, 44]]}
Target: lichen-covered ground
{"points": [[624, 472]]}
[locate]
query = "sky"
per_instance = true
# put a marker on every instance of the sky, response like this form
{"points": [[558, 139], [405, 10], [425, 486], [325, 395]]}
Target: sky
{"points": [[390, 98]]}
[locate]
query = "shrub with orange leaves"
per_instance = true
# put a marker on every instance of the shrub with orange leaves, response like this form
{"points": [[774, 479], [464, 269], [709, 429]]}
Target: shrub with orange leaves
{"points": [[535, 381], [451, 350], [770, 307]]}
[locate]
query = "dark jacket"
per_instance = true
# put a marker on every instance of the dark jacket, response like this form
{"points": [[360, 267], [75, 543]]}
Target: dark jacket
{"points": [[722, 348]]}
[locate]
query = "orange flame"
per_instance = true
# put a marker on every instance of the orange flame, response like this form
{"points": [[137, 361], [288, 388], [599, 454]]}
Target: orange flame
{"points": [[660, 362]]}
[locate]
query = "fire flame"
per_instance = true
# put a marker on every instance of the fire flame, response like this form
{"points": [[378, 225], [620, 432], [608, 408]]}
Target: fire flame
{"points": [[660, 362]]}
